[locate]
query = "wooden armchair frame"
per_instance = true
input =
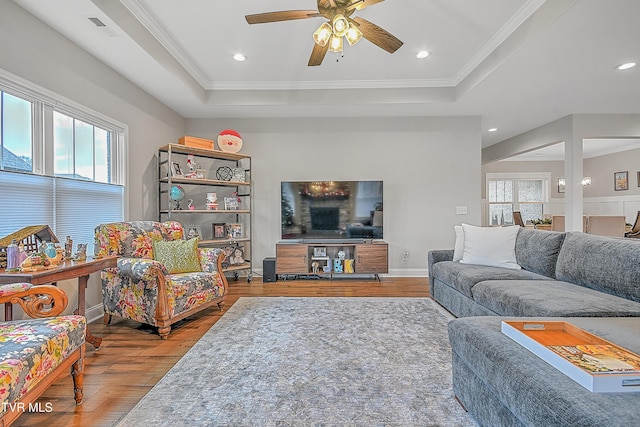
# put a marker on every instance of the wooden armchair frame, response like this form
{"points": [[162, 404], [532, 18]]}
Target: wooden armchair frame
{"points": [[40, 302]]}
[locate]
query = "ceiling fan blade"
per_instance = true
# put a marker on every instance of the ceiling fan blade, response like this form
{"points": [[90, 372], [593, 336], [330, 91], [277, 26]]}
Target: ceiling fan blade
{"points": [[318, 54], [378, 36], [284, 15], [361, 4]]}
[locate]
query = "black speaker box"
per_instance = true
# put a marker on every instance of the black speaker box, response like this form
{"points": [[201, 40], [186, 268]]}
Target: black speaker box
{"points": [[269, 270]]}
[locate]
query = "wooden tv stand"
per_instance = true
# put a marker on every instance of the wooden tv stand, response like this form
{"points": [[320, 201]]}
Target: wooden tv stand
{"points": [[309, 258]]}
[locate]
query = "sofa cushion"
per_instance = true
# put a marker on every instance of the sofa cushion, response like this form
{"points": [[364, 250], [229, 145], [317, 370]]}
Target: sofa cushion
{"points": [[31, 349], [491, 246], [538, 250], [536, 393], [463, 277], [178, 256], [189, 290], [602, 263], [549, 298]]}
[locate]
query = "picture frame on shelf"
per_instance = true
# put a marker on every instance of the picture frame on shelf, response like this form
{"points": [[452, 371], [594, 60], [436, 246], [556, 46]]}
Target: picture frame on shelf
{"points": [[219, 230], [234, 230], [191, 231], [621, 180], [231, 204], [176, 170], [234, 255], [238, 175], [237, 256], [320, 251]]}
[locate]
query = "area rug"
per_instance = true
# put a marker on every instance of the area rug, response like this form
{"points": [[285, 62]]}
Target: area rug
{"points": [[312, 362]]}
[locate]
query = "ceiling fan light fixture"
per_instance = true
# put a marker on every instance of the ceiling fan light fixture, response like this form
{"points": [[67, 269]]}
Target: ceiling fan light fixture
{"points": [[322, 35], [335, 45], [353, 35], [340, 25]]}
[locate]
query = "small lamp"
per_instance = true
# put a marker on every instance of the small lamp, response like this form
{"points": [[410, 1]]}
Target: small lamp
{"points": [[340, 25], [322, 35], [335, 45], [353, 35]]}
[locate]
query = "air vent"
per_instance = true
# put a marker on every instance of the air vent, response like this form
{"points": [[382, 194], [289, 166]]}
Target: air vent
{"points": [[97, 22]]}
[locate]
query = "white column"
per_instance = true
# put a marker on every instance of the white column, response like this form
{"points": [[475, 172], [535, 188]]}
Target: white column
{"points": [[573, 191]]}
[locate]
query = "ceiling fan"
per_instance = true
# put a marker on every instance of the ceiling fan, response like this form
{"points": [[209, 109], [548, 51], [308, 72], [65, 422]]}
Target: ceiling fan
{"points": [[328, 37]]}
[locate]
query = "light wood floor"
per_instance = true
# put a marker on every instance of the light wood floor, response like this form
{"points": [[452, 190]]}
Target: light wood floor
{"points": [[133, 359]]}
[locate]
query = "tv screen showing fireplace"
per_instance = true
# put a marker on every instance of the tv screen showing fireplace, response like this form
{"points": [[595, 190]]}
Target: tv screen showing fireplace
{"points": [[332, 210]]}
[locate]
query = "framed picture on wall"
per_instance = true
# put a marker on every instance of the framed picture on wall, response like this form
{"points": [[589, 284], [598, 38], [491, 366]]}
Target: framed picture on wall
{"points": [[638, 179], [621, 180]]}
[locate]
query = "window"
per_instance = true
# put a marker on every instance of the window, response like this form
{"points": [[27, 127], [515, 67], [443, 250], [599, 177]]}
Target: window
{"points": [[526, 193], [81, 150], [60, 164], [15, 133]]}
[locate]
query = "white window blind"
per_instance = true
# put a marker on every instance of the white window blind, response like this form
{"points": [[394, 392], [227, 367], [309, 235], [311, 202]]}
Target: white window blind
{"points": [[70, 207], [81, 205], [26, 200]]}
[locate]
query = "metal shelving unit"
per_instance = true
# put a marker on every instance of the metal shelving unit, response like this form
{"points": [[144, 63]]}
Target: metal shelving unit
{"points": [[197, 188]]}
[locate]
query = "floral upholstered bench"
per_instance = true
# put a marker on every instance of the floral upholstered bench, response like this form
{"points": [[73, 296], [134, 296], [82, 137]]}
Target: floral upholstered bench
{"points": [[34, 353]]}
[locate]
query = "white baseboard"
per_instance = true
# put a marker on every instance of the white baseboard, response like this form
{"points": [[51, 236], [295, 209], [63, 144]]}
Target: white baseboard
{"points": [[408, 272], [94, 313]]}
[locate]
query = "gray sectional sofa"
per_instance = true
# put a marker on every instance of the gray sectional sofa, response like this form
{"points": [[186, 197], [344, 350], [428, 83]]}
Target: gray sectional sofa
{"points": [[591, 281]]}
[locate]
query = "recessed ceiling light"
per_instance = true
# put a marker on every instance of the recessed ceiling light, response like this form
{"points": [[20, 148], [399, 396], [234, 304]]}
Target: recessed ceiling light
{"points": [[492, 130], [626, 66], [239, 57], [422, 54]]}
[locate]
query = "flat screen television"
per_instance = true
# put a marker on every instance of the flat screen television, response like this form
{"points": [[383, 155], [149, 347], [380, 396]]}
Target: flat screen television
{"points": [[330, 210]]}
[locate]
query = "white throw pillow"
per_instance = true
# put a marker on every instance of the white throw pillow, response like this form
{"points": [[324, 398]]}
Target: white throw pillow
{"points": [[491, 246], [459, 246]]}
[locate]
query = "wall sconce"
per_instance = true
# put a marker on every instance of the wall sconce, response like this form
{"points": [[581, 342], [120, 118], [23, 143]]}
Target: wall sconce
{"points": [[562, 183]]}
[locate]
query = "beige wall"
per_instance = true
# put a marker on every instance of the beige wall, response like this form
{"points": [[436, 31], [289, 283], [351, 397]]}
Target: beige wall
{"points": [[602, 168], [428, 165], [33, 51]]}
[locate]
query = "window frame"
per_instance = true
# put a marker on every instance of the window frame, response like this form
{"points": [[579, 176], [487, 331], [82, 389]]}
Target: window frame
{"points": [[545, 177]]}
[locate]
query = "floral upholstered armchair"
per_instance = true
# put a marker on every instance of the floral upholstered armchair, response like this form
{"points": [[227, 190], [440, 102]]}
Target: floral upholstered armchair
{"points": [[35, 352], [160, 278]]}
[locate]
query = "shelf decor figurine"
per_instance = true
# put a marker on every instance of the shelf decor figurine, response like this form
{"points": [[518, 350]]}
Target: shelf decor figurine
{"points": [[212, 201], [177, 195], [230, 141]]}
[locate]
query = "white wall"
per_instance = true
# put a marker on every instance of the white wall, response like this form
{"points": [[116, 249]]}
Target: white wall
{"points": [[428, 165], [33, 51]]}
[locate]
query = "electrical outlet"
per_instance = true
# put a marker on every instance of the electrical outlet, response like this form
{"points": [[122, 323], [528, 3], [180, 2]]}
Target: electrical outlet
{"points": [[406, 255], [461, 210]]}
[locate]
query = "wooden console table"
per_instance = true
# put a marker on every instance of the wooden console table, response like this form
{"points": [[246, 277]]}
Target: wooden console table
{"points": [[80, 270]]}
